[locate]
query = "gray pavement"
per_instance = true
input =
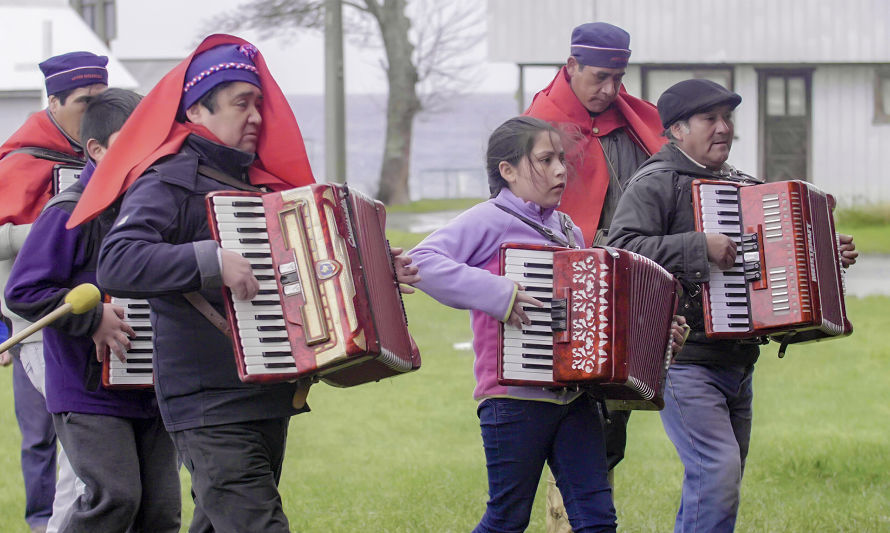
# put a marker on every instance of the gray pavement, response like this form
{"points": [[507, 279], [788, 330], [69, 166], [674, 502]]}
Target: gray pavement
{"points": [[869, 276]]}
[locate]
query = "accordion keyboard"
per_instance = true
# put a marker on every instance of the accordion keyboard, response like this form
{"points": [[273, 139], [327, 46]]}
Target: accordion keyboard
{"points": [[242, 228], [137, 369], [728, 292], [528, 351]]}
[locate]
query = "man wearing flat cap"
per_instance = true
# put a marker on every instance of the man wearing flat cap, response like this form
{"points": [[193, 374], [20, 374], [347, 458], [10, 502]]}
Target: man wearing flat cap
{"points": [[47, 138], [708, 393], [609, 134]]}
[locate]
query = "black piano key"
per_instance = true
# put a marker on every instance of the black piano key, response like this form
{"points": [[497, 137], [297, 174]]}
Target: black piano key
{"points": [[538, 333], [264, 302], [540, 323], [268, 317], [250, 230], [536, 367], [537, 265], [247, 203], [279, 365], [537, 346], [271, 328], [537, 276], [256, 255], [139, 371], [253, 241], [537, 356], [139, 360], [275, 354], [240, 214], [273, 339]]}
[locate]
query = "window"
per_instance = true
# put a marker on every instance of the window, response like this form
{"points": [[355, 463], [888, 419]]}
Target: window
{"points": [[882, 95], [657, 79]]}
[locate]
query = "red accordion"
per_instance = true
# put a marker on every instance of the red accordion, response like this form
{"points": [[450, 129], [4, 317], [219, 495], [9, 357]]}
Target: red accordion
{"points": [[605, 324], [788, 279], [329, 305], [136, 371]]}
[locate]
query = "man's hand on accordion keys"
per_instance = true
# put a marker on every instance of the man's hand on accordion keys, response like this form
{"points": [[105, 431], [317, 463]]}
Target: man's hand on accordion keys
{"points": [[237, 275], [721, 250], [113, 334], [518, 316], [847, 250], [406, 273]]}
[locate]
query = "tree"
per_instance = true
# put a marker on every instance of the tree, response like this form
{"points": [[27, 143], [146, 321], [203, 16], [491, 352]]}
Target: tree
{"points": [[425, 62]]}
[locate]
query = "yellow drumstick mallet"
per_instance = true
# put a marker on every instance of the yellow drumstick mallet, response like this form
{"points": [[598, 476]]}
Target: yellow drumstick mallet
{"points": [[79, 300]]}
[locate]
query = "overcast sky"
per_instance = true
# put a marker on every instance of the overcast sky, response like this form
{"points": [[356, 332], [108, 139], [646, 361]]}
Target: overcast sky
{"points": [[169, 29]]}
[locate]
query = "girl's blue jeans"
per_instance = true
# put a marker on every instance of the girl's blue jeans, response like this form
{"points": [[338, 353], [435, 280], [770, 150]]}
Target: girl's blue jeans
{"points": [[519, 436]]}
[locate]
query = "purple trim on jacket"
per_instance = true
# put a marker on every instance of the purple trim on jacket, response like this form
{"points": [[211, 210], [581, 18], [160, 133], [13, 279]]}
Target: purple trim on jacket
{"points": [[51, 262], [458, 265]]}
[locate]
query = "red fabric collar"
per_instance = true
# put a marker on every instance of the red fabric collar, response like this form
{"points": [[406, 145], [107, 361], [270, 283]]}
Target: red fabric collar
{"points": [[586, 189], [25, 180], [152, 132]]}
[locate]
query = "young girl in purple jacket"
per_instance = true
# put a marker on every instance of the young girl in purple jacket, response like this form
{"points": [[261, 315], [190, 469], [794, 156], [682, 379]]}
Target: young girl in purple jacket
{"points": [[522, 426]]}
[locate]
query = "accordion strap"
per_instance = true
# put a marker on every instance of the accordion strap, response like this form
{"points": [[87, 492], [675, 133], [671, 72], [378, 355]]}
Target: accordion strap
{"points": [[224, 178], [203, 306], [548, 233], [49, 155]]}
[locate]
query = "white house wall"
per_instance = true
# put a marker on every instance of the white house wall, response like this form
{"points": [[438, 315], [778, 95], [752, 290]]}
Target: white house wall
{"points": [[698, 31], [850, 152]]}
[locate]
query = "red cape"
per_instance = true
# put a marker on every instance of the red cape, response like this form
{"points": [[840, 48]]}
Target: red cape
{"points": [[589, 174], [152, 132], [25, 180]]}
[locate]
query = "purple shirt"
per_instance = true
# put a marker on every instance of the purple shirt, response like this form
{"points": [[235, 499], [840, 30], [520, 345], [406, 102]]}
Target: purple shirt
{"points": [[458, 265]]}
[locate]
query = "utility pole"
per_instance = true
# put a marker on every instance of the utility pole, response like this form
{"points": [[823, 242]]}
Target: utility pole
{"points": [[334, 100]]}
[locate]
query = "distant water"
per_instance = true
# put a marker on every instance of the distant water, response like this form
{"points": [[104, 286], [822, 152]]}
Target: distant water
{"points": [[448, 150]]}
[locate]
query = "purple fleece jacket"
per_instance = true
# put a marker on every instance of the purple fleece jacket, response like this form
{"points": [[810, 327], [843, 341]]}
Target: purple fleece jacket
{"points": [[459, 267], [52, 261]]}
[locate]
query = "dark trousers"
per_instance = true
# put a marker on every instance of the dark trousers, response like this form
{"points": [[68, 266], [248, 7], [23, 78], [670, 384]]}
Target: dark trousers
{"points": [[519, 437], [38, 447], [615, 433], [235, 470], [128, 467]]}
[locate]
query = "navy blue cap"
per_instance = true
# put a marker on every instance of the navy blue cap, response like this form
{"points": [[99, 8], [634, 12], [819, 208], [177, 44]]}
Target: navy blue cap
{"points": [[227, 62], [688, 97], [73, 70], [599, 44]]}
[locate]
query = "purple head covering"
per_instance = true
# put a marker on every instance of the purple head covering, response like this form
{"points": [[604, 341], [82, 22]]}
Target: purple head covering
{"points": [[73, 70], [228, 62], [599, 44]]}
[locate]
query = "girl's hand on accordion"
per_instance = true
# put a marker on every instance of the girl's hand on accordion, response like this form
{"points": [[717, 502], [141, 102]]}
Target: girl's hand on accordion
{"points": [[518, 317], [237, 275], [406, 273], [847, 250]]}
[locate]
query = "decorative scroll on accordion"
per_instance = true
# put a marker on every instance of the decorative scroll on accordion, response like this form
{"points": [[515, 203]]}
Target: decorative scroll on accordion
{"points": [[136, 371], [788, 279], [605, 324], [329, 306]]}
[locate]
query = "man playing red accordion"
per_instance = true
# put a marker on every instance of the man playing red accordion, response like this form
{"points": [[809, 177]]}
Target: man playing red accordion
{"points": [[708, 392]]}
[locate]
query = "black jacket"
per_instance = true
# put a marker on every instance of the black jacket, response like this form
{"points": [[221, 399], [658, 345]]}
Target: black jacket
{"points": [[159, 248], [655, 218]]}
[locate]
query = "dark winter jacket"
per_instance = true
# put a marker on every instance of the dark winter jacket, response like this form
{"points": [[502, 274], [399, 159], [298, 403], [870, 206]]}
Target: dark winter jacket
{"points": [[160, 248], [655, 218]]}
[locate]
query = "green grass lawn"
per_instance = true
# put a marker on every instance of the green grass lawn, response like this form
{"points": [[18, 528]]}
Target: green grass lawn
{"points": [[405, 455]]}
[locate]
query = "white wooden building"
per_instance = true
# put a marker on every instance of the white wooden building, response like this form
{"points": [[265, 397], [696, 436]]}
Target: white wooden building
{"points": [[814, 75], [31, 32]]}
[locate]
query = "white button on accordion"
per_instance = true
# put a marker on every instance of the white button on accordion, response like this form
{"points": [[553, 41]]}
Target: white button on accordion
{"points": [[787, 281], [329, 305], [606, 323], [136, 372]]}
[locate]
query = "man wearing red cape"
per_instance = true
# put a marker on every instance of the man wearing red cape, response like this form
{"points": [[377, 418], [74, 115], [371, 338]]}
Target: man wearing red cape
{"points": [[47, 138], [217, 121], [609, 134]]}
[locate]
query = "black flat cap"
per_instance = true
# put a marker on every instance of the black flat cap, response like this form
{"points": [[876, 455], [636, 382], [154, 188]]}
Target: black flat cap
{"points": [[688, 97]]}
